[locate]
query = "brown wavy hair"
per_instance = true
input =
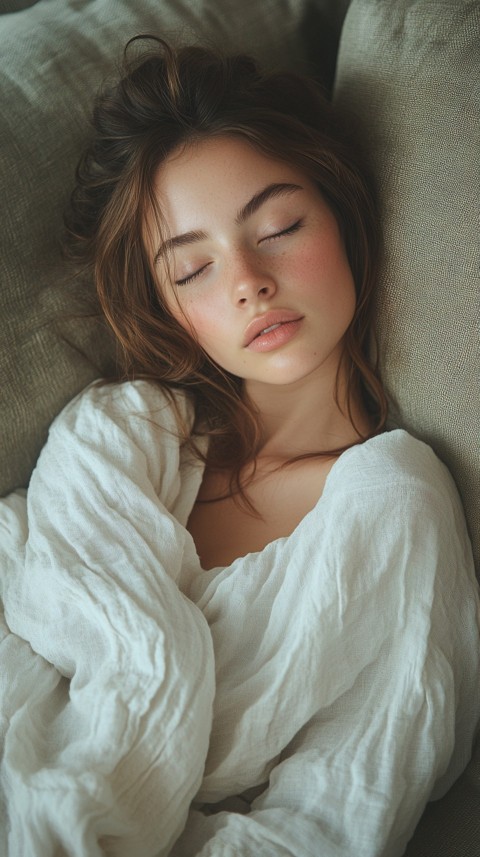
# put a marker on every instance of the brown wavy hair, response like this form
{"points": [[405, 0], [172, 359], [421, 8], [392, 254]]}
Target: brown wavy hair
{"points": [[165, 99]]}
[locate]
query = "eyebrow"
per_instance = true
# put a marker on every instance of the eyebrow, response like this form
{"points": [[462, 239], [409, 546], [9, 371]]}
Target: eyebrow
{"points": [[269, 192]]}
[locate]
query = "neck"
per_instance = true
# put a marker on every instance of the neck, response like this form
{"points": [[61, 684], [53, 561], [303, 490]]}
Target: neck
{"points": [[307, 417]]}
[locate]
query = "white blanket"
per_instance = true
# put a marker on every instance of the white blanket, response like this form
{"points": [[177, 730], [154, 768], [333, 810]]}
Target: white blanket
{"points": [[337, 670]]}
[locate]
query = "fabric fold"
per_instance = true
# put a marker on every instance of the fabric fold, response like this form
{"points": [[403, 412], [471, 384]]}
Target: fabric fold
{"points": [[110, 760], [335, 673]]}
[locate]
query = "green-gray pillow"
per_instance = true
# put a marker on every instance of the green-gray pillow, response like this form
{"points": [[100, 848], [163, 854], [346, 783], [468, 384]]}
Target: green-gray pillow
{"points": [[409, 76], [54, 56]]}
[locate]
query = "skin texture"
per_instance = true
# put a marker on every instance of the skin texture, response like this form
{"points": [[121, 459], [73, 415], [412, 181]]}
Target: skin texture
{"points": [[229, 273], [234, 262]]}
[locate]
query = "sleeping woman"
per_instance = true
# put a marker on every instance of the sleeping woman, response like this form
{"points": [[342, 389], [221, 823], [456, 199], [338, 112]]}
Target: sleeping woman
{"points": [[241, 611]]}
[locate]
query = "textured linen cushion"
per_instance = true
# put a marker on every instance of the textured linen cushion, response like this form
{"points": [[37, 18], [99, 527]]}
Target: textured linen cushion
{"points": [[55, 54], [409, 76]]}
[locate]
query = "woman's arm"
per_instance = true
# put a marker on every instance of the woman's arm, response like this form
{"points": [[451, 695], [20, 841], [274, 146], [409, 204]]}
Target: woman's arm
{"points": [[104, 753]]}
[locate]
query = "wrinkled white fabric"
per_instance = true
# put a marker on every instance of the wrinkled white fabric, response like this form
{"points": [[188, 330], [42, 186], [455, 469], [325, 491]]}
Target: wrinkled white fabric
{"points": [[337, 670]]}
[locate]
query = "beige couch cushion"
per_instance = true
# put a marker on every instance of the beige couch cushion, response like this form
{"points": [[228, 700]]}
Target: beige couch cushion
{"points": [[409, 76], [54, 56]]}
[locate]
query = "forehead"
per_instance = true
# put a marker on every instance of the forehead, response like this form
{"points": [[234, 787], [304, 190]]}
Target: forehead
{"points": [[215, 174]]}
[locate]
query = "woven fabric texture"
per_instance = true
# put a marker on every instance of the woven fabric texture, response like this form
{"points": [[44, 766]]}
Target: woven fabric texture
{"points": [[409, 76]]}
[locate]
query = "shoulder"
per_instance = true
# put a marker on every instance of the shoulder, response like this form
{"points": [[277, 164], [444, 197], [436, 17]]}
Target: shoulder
{"points": [[393, 461], [128, 427], [395, 482], [120, 438], [393, 507], [129, 406]]}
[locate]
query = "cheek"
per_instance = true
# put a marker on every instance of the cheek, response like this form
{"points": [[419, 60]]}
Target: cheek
{"points": [[322, 272], [201, 318]]}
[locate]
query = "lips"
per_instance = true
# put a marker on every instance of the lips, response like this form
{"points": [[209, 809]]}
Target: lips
{"points": [[266, 322]]}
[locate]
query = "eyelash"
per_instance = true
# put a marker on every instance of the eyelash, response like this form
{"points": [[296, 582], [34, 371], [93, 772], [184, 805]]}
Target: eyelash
{"points": [[191, 277], [290, 230]]}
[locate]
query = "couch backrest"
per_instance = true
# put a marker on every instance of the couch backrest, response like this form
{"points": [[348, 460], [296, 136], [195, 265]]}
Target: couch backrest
{"points": [[409, 76]]}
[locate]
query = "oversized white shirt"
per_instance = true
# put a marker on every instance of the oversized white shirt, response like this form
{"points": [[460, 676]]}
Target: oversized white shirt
{"points": [[335, 673]]}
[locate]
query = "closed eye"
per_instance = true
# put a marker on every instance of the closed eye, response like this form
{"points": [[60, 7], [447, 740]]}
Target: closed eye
{"points": [[290, 230], [185, 280]]}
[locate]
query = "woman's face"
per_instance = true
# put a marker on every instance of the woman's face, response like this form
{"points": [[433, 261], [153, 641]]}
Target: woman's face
{"points": [[256, 263]]}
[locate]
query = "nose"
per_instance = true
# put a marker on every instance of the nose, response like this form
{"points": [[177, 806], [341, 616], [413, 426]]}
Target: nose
{"points": [[251, 280]]}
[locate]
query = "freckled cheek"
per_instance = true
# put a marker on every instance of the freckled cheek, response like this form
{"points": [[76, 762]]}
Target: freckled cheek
{"points": [[322, 273]]}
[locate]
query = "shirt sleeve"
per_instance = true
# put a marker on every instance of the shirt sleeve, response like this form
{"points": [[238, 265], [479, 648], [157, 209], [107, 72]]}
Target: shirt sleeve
{"points": [[106, 743]]}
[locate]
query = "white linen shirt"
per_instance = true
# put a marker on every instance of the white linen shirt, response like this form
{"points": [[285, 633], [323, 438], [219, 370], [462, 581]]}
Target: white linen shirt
{"points": [[335, 672]]}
